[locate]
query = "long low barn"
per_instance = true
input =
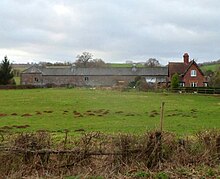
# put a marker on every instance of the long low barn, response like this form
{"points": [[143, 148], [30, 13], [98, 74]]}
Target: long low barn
{"points": [[76, 76]]}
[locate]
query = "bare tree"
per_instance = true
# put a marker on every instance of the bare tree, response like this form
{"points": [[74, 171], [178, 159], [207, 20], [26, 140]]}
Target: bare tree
{"points": [[97, 63], [215, 79], [152, 62], [83, 59]]}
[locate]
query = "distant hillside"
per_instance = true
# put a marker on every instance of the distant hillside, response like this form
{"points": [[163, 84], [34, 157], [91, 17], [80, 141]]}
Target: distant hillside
{"points": [[20, 67], [213, 66]]}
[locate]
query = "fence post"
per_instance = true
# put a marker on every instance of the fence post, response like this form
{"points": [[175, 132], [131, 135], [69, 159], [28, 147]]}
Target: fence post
{"points": [[162, 116], [218, 146], [159, 136]]}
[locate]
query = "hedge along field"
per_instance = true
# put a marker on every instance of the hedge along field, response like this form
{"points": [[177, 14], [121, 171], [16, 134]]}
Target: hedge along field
{"points": [[106, 111]]}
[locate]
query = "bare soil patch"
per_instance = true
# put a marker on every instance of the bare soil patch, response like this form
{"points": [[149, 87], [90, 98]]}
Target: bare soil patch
{"points": [[48, 111], [2, 114], [119, 112], [77, 114], [130, 114], [38, 113], [153, 113], [26, 115], [21, 126], [192, 113]]}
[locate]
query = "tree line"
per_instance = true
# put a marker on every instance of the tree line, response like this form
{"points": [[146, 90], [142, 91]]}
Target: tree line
{"points": [[86, 60]]}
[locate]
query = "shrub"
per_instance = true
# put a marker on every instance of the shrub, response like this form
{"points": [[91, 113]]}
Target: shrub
{"points": [[175, 81]]}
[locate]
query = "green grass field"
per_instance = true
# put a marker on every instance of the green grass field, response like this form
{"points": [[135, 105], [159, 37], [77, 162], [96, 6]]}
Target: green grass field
{"points": [[212, 67], [106, 111]]}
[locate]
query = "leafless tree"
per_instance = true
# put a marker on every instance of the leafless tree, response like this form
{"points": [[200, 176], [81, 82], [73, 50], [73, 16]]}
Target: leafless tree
{"points": [[86, 60], [83, 59], [97, 63], [152, 62]]}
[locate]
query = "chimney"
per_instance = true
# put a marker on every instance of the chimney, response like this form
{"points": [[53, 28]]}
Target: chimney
{"points": [[186, 58]]}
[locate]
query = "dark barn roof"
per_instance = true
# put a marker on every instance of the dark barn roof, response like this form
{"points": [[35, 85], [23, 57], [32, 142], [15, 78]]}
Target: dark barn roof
{"points": [[74, 71]]}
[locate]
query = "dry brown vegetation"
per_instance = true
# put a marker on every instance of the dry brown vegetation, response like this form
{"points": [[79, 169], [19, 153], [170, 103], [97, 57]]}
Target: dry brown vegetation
{"points": [[121, 156]]}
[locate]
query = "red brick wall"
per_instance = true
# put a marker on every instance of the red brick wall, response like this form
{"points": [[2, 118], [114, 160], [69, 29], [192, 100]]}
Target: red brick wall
{"points": [[199, 78]]}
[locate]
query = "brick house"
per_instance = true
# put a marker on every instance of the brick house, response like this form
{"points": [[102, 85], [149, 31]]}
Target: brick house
{"points": [[190, 75], [76, 76]]}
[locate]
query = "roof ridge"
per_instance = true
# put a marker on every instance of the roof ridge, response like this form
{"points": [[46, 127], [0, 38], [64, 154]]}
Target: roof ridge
{"points": [[176, 62]]}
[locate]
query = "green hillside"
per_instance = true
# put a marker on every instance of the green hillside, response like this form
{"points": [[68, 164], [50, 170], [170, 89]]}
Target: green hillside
{"points": [[212, 67]]}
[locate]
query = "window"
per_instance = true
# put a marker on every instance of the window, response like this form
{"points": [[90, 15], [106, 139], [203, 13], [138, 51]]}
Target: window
{"points": [[193, 84], [193, 72], [36, 79], [86, 78], [182, 84], [205, 84]]}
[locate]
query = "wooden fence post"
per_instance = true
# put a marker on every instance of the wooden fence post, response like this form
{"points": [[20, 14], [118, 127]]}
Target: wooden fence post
{"points": [[218, 146], [162, 116]]}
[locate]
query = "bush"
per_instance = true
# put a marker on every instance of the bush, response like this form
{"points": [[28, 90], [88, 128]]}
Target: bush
{"points": [[175, 81], [140, 84]]}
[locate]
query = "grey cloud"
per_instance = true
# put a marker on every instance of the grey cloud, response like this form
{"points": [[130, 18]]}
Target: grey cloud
{"points": [[116, 30]]}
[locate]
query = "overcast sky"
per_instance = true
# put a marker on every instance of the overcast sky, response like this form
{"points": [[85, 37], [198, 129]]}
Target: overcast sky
{"points": [[114, 30]]}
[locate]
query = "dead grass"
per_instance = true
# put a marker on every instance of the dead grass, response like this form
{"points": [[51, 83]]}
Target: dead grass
{"points": [[110, 156]]}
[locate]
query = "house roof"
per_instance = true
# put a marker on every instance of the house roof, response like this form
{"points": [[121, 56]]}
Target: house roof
{"points": [[190, 64], [181, 68], [75, 71], [176, 67], [33, 69]]}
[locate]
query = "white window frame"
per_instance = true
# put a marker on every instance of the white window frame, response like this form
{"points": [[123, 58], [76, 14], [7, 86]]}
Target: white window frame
{"points": [[205, 84], [193, 73], [182, 84], [193, 84]]}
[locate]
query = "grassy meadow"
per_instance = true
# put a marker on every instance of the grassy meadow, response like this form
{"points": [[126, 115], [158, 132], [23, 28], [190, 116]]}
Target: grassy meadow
{"points": [[212, 67], [106, 111]]}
